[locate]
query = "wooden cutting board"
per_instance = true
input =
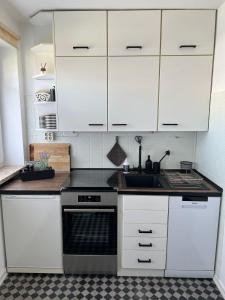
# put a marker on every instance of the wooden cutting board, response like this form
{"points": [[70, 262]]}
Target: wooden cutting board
{"points": [[59, 155]]}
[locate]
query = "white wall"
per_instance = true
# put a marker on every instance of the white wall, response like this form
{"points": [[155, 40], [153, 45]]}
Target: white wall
{"points": [[1, 146], [89, 149], [10, 107], [8, 17], [210, 151]]}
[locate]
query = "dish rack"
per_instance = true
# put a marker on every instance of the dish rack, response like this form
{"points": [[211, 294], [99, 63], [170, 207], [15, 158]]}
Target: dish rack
{"points": [[184, 180]]}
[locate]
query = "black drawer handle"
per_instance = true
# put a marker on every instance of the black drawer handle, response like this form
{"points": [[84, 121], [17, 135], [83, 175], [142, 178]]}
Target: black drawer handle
{"points": [[145, 245], [188, 46], [80, 47], [95, 124], [134, 47], [147, 261], [121, 124], [145, 231], [170, 124]]}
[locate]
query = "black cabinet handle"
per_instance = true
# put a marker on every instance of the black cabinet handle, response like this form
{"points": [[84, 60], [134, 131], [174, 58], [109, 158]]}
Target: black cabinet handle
{"points": [[95, 124], [170, 124], [148, 261], [145, 245], [119, 124], [80, 47], [134, 47], [188, 46], [145, 231]]}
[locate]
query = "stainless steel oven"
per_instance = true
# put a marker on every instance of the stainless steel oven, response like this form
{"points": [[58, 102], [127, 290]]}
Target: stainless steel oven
{"points": [[89, 232]]}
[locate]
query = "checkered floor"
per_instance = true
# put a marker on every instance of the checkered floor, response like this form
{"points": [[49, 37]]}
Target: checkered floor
{"points": [[29, 286]]}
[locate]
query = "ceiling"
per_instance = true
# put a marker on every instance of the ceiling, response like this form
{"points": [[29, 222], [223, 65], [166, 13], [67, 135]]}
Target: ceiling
{"points": [[29, 7]]}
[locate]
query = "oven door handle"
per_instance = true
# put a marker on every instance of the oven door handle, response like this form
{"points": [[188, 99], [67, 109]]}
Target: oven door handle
{"points": [[88, 210]]}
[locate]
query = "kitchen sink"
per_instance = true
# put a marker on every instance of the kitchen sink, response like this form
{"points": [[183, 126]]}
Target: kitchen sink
{"points": [[142, 181]]}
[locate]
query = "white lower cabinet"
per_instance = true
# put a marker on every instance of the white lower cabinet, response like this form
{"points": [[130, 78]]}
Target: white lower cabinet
{"points": [[33, 233], [142, 235], [139, 243], [144, 259], [157, 230]]}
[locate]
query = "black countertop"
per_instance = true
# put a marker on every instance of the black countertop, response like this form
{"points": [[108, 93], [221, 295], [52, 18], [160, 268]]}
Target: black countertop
{"points": [[111, 180]]}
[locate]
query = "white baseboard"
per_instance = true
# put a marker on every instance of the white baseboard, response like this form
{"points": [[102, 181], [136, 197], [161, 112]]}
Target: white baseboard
{"points": [[35, 270], [220, 286], [3, 275]]}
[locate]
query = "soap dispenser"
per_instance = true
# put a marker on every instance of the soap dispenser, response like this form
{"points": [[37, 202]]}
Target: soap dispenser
{"points": [[126, 166], [148, 164]]}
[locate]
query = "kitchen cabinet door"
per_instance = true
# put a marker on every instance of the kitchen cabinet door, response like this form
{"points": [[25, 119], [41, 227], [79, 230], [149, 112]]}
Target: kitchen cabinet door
{"points": [[134, 32], [184, 97], [82, 93], [188, 32], [33, 233], [133, 93], [80, 33]]}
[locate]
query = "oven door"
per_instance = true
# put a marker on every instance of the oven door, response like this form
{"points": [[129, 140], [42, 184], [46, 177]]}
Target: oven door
{"points": [[89, 239]]}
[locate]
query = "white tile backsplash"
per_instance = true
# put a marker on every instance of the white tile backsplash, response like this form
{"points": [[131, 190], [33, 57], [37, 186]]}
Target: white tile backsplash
{"points": [[89, 150]]}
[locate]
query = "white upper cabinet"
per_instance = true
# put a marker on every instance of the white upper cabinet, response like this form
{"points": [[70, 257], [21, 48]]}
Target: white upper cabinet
{"points": [[80, 33], [134, 32], [81, 90], [188, 32], [185, 86], [132, 93]]}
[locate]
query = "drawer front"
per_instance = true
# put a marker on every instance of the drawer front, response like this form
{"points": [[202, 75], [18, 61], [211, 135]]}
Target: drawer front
{"points": [[145, 230], [144, 259], [188, 32], [145, 202], [145, 216], [80, 33], [134, 32], [144, 244]]}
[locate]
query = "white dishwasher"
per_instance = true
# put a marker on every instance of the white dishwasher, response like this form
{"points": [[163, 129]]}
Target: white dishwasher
{"points": [[192, 236]]}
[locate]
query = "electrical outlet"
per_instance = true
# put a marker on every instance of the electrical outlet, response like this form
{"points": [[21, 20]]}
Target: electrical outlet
{"points": [[49, 136]]}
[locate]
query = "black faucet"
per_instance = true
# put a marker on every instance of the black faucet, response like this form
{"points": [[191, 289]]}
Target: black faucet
{"points": [[138, 139]]}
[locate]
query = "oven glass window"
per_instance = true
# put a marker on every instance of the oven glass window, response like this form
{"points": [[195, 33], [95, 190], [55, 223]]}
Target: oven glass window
{"points": [[89, 233]]}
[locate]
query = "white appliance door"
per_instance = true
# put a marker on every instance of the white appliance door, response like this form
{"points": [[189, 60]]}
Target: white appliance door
{"points": [[192, 233]]}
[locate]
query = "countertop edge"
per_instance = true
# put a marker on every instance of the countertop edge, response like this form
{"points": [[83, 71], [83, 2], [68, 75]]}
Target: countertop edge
{"points": [[29, 192], [172, 193]]}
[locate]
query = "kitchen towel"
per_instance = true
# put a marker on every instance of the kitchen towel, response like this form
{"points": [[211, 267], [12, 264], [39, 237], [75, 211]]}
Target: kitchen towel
{"points": [[117, 155]]}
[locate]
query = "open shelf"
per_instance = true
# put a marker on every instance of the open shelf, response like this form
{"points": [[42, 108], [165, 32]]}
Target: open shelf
{"points": [[43, 48], [44, 129], [44, 77], [46, 102]]}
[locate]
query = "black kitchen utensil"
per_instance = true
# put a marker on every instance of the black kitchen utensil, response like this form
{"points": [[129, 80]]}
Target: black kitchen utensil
{"points": [[138, 139]]}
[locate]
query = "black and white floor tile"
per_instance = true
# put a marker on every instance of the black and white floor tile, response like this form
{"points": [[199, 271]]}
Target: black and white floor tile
{"points": [[40, 286]]}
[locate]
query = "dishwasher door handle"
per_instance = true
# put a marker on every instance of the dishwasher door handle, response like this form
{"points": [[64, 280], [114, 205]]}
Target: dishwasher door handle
{"points": [[91, 210]]}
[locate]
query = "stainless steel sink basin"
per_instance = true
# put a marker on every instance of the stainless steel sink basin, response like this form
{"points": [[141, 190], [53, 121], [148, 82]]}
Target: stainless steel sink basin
{"points": [[142, 181]]}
